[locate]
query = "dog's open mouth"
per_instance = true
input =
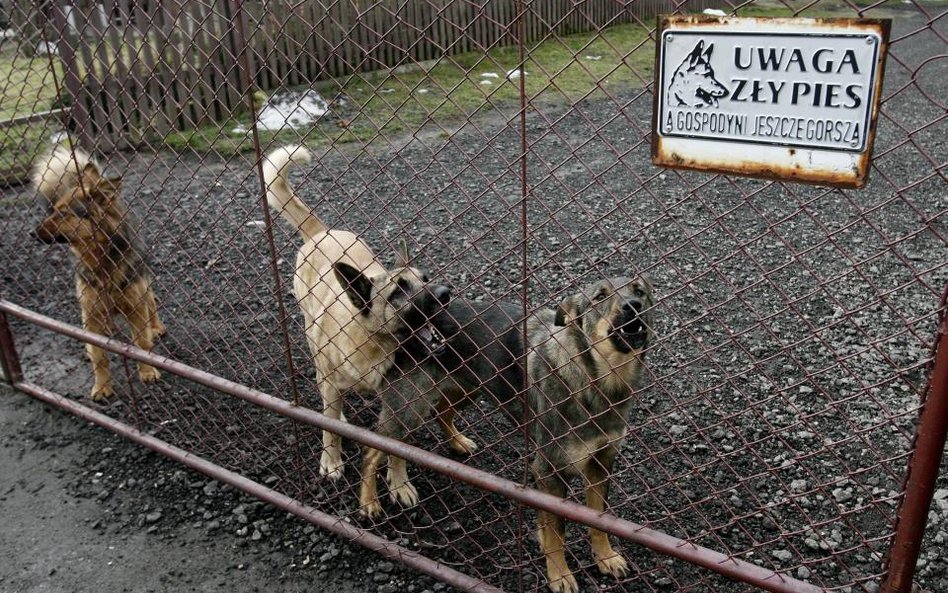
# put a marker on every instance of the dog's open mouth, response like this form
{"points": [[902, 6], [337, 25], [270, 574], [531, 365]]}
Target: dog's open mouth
{"points": [[632, 332], [707, 97], [431, 338]]}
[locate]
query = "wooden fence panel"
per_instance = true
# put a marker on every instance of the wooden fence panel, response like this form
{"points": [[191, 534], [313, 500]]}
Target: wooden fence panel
{"points": [[137, 69]]}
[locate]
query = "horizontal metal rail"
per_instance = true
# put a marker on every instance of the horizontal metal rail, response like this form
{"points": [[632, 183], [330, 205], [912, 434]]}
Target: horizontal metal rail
{"points": [[320, 519], [723, 564], [33, 117]]}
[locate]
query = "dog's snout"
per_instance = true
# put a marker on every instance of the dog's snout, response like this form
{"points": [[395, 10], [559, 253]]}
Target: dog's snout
{"points": [[632, 306], [442, 294]]}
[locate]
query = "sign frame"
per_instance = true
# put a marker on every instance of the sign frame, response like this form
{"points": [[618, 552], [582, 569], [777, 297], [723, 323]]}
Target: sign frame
{"points": [[778, 159]]}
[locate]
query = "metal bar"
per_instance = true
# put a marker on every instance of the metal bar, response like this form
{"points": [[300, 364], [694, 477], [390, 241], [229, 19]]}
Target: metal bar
{"points": [[79, 112], [33, 117], [723, 564], [331, 523], [246, 79], [525, 279], [922, 471], [9, 359]]}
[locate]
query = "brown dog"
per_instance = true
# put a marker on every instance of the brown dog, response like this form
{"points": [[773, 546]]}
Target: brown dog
{"points": [[112, 279]]}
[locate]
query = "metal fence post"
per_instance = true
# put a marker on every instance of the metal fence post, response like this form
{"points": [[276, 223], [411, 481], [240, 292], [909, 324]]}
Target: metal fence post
{"points": [[922, 471], [10, 370]]}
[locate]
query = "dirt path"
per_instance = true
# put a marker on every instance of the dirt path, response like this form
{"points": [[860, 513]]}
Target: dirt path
{"points": [[57, 540]]}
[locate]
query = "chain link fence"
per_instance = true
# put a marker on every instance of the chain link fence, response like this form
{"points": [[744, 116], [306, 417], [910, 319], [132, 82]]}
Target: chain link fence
{"points": [[772, 430]]}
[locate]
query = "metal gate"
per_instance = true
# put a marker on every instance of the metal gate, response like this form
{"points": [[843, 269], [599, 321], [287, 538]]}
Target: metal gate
{"points": [[788, 429]]}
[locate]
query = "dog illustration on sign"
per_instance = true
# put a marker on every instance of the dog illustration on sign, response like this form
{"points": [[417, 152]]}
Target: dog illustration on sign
{"points": [[693, 83]]}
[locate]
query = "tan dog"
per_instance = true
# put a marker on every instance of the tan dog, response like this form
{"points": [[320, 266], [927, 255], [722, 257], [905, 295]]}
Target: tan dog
{"points": [[112, 279], [356, 311]]}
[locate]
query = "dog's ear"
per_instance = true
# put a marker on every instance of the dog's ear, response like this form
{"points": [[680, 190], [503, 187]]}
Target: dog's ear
{"points": [[111, 185], [707, 52], [89, 177], [570, 310], [401, 254], [695, 54], [356, 285], [647, 280]]}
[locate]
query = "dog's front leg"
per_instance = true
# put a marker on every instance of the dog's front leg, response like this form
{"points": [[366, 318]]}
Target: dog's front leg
{"points": [[369, 505], [456, 439], [552, 534], [96, 319], [138, 313], [597, 491], [157, 327], [330, 462], [399, 488]]}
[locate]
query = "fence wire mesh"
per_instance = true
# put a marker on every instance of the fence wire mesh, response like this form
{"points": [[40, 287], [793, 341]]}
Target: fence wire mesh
{"points": [[507, 143]]}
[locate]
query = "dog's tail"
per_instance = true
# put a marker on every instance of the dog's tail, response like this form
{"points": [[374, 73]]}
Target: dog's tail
{"points": [[280, 195], [58, 171]]}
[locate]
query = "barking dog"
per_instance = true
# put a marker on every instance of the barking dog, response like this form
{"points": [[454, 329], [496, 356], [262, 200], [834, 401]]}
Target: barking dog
{"points": [[354, 308], [693, 83], [584, 363], [482, 354], [112, 279]]}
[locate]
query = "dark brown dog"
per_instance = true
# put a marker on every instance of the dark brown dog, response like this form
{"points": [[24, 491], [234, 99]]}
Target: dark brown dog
{"points": [[86, 211], [585, 362]]}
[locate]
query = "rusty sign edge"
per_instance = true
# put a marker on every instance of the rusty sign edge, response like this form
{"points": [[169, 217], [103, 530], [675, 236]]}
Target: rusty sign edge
{"points": [[860, 176]]}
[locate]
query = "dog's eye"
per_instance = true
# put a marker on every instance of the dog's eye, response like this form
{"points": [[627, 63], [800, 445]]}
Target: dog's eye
{"points": [[637, 291], [403, 285], [602, 294], [424, 278]]}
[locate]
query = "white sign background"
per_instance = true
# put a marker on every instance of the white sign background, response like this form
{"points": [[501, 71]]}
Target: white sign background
{"points": [[806, 90], [781, 98]]}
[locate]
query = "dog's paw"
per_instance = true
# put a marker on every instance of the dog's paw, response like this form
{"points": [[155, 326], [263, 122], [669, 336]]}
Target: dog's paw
{"points": [[564, 583], [101, 392], [331, 465], [614, 565], [148, 374], [370, 509], [463, 445], [404, 494]]}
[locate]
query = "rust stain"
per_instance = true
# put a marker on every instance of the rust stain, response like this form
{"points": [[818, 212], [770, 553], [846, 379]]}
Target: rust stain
{"points": [[854, 177]]}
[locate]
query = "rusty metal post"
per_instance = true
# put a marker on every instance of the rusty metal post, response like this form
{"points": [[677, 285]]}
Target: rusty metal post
{"points": [[922, 471], [9, 359], [68, 41]]}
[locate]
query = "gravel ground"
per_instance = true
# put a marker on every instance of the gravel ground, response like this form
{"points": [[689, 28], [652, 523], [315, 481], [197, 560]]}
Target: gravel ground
{"points": [[795, 327]]}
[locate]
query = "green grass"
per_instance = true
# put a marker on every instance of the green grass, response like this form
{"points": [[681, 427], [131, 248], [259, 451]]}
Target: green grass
{"points": [[26, 87], [446, 95]]}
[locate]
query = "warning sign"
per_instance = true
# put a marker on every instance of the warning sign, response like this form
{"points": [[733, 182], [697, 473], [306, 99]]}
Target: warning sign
{"points": [[784, 98]]}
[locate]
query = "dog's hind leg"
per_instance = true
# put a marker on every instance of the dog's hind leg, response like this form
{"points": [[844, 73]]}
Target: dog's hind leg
{"points": [[96, 319], [597, 491], [552, 533], [330, 462]]}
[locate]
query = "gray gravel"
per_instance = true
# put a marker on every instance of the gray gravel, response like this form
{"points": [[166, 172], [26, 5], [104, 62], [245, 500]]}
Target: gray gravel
{"points": [[796, 325]]}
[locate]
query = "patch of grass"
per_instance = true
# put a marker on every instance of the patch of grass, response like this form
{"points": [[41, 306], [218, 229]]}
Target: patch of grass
{"points": [[26, 87], [457, 88]]}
